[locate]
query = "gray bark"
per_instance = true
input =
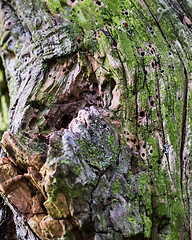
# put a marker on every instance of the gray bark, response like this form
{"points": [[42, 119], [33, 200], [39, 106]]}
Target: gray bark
{"points": [[98, 139]]}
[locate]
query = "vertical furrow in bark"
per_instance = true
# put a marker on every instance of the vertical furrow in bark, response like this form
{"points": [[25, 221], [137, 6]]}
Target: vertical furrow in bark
{"points": [[184, 122], [183, 133]]}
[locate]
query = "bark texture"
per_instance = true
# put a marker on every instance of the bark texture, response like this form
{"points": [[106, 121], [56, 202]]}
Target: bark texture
{"points": [[98, 143]]}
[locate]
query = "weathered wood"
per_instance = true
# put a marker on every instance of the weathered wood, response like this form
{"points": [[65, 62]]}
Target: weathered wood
{"points": [[98, 140]]}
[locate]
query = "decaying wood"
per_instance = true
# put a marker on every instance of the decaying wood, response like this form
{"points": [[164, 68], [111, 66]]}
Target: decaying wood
{"points": [[98, 140]]}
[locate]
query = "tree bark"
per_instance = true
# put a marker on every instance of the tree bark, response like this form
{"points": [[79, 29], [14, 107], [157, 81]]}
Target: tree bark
{"points": [[99, 132]]}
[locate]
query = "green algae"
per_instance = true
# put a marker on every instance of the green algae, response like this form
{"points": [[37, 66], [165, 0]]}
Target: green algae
{"points": [[131, 33]]}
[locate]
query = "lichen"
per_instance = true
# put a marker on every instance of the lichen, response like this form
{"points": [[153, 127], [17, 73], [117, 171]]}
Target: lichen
{"points": [[145, 48]]}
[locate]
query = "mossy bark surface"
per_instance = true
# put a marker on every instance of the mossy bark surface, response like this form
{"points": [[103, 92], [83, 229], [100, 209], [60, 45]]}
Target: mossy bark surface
{"points": [[98, 141]]}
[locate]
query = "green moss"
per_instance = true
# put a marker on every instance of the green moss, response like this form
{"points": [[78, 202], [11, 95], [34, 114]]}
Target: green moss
{"points": [[147, 227], [54, 5], [52, 209], [96, 155], [116, 187], [132, 31], [145, 191], [83, 12], [68, 235], [3, 112], [162, 210], [53, 190]]}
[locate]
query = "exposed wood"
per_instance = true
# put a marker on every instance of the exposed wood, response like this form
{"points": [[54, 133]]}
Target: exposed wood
{"points": [[98, 141]]}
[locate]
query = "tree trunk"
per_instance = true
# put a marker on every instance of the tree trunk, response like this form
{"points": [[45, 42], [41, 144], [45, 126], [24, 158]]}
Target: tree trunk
{"points": [[97, 145]]}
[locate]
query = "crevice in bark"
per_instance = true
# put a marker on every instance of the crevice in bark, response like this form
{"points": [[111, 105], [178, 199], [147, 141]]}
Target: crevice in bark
{"points": [[184, 122], [125, 81], [145, 76], [4, 100], [176, 7], [94, 188], [181, 8], [183, 139], [62, 113], [157, 23], [124, 74], [108, 86], [183, 131], [159, 223], [119, 151], [136, 102], [6, 220], [141, 14]]}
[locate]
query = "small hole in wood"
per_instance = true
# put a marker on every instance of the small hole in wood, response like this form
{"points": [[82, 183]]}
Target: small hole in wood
{"points": [[138, 147], [142, 54], [98, 3], [125, 24], [114, 43]]}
